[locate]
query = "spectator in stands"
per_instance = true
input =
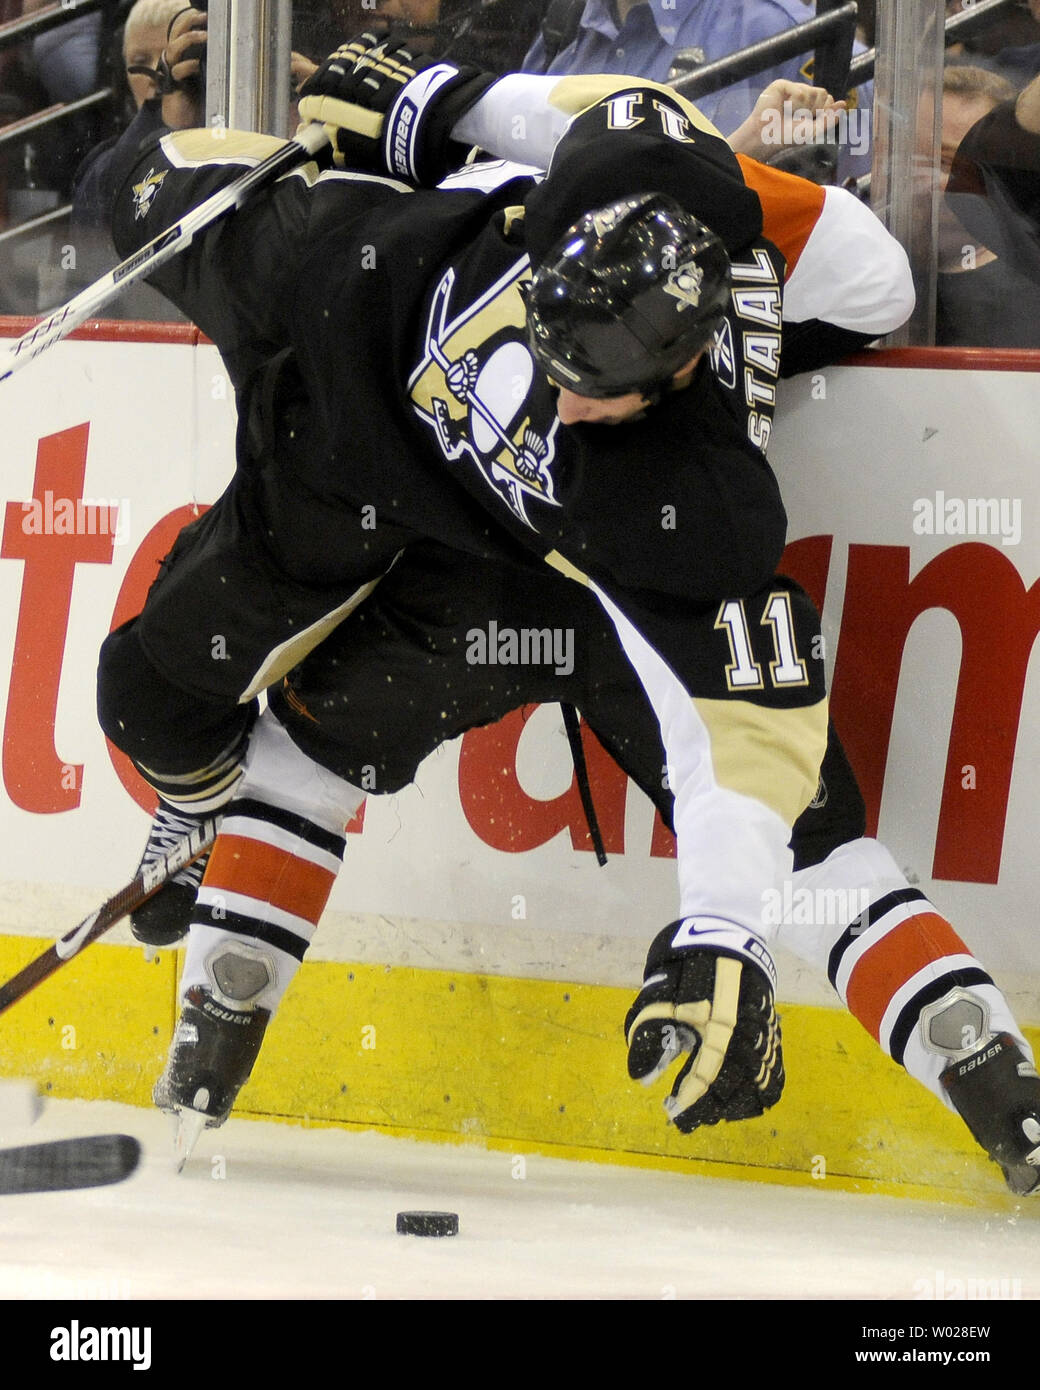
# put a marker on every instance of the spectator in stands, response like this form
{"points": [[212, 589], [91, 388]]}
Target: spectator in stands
{"points": [[495, 35], [989, 229], [1008, 44], [144, 38], [154, 28], [969, 93], [667, 39], [651, 38], [60, 66], [67, 58]]}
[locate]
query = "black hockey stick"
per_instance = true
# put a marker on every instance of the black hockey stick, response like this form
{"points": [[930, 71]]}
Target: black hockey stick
{"points": [[148, 881], [95, 1160], [158, 251]]}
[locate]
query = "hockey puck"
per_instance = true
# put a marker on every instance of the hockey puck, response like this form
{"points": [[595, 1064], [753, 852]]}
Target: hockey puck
{"points": [[427, 1223]]}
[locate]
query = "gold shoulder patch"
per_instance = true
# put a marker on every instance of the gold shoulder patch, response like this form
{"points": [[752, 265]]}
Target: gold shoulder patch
{"points": [[185, 148]]}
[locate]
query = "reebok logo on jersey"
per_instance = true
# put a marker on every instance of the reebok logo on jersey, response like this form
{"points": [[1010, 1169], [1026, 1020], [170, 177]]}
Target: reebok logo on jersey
{"points": [[723, 358]]}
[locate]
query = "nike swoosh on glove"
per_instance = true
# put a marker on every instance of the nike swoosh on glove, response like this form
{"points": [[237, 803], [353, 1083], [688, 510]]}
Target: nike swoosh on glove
{"points": [[718, 1007]]}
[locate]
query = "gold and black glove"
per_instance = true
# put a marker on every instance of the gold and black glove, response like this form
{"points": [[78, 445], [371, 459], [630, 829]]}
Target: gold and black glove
{"points": [[716, 1005], [392, 111]]}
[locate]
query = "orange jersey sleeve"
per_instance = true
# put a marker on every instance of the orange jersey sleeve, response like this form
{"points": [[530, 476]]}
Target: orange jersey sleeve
{"points": [[791, 207]]}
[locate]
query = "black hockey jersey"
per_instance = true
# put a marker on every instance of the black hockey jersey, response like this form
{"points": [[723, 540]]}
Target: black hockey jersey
{"points": [[421, 399]]}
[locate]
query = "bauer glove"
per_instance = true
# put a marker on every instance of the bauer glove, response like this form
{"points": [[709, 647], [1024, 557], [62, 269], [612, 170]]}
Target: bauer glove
{"points": [[717, 1005], [390, 111]]}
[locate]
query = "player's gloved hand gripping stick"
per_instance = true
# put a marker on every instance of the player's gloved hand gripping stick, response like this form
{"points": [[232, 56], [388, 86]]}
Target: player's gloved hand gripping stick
{"points": [[169, 243]]}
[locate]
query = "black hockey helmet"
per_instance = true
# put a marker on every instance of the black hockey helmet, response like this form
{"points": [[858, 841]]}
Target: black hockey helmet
{"points": [[627, 297]]}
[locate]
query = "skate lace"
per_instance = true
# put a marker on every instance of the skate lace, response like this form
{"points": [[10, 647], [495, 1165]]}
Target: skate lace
{"points": [[169, 829]]}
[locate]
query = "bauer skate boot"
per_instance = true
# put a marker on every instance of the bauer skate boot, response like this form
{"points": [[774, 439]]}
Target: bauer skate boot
{"points": [[993, 1086], [211, 1058], [164, 919]]}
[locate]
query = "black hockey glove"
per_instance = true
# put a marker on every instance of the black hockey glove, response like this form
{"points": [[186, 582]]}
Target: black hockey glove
{"points": [[718, 1006], [389, 111]]}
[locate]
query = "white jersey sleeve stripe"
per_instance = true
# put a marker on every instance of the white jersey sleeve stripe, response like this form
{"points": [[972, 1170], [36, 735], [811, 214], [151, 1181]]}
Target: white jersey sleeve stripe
{"points": [[852, 272]]}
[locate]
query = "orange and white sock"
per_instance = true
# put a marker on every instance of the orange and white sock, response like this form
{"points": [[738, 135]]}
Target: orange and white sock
{"points": [[270, 873], [892, 957]]}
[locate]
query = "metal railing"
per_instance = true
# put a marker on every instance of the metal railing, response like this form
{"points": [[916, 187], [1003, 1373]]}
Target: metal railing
{"points": [[832, 33], [19, 131], [958, 26], [44, 222], [830, 36], [23, 132], [30, 26]]}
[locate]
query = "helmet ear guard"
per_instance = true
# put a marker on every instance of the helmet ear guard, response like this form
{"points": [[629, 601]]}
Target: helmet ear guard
{"points": [[627, 297]]}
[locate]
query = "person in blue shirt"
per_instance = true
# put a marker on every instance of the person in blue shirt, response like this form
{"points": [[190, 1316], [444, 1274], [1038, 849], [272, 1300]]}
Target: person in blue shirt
{"points": [[642, 37]]}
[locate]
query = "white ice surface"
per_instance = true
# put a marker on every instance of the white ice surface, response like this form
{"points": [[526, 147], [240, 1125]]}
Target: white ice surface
{"points": [[271, 1211]]}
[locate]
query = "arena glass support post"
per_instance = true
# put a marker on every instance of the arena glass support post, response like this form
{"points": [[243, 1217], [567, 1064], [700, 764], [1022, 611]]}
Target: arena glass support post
{"points": [[906, 124], [248, 65]]}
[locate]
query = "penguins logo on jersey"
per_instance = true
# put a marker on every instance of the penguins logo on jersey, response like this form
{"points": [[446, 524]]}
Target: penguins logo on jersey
{"points": [[145, 191], [478, 390]]}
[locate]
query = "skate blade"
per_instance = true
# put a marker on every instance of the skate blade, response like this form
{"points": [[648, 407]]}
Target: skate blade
{"points": [[190, 1124]]}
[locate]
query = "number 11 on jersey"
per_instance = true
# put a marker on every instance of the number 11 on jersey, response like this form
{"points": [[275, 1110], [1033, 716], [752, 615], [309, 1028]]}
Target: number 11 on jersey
{"points": [[743, 671]]}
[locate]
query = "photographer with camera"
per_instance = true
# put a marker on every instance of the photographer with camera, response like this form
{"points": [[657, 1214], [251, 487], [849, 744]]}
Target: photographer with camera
{"points": [[164, 47]]}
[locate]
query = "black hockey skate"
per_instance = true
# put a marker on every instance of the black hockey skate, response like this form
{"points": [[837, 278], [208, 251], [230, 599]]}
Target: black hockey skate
{"points": [[997, 1094], [211, 1057], [164, 919]]}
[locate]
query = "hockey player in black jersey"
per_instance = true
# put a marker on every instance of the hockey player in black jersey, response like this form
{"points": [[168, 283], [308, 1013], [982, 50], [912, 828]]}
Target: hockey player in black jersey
{"points": [[379, 292], [716, 1002]]}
